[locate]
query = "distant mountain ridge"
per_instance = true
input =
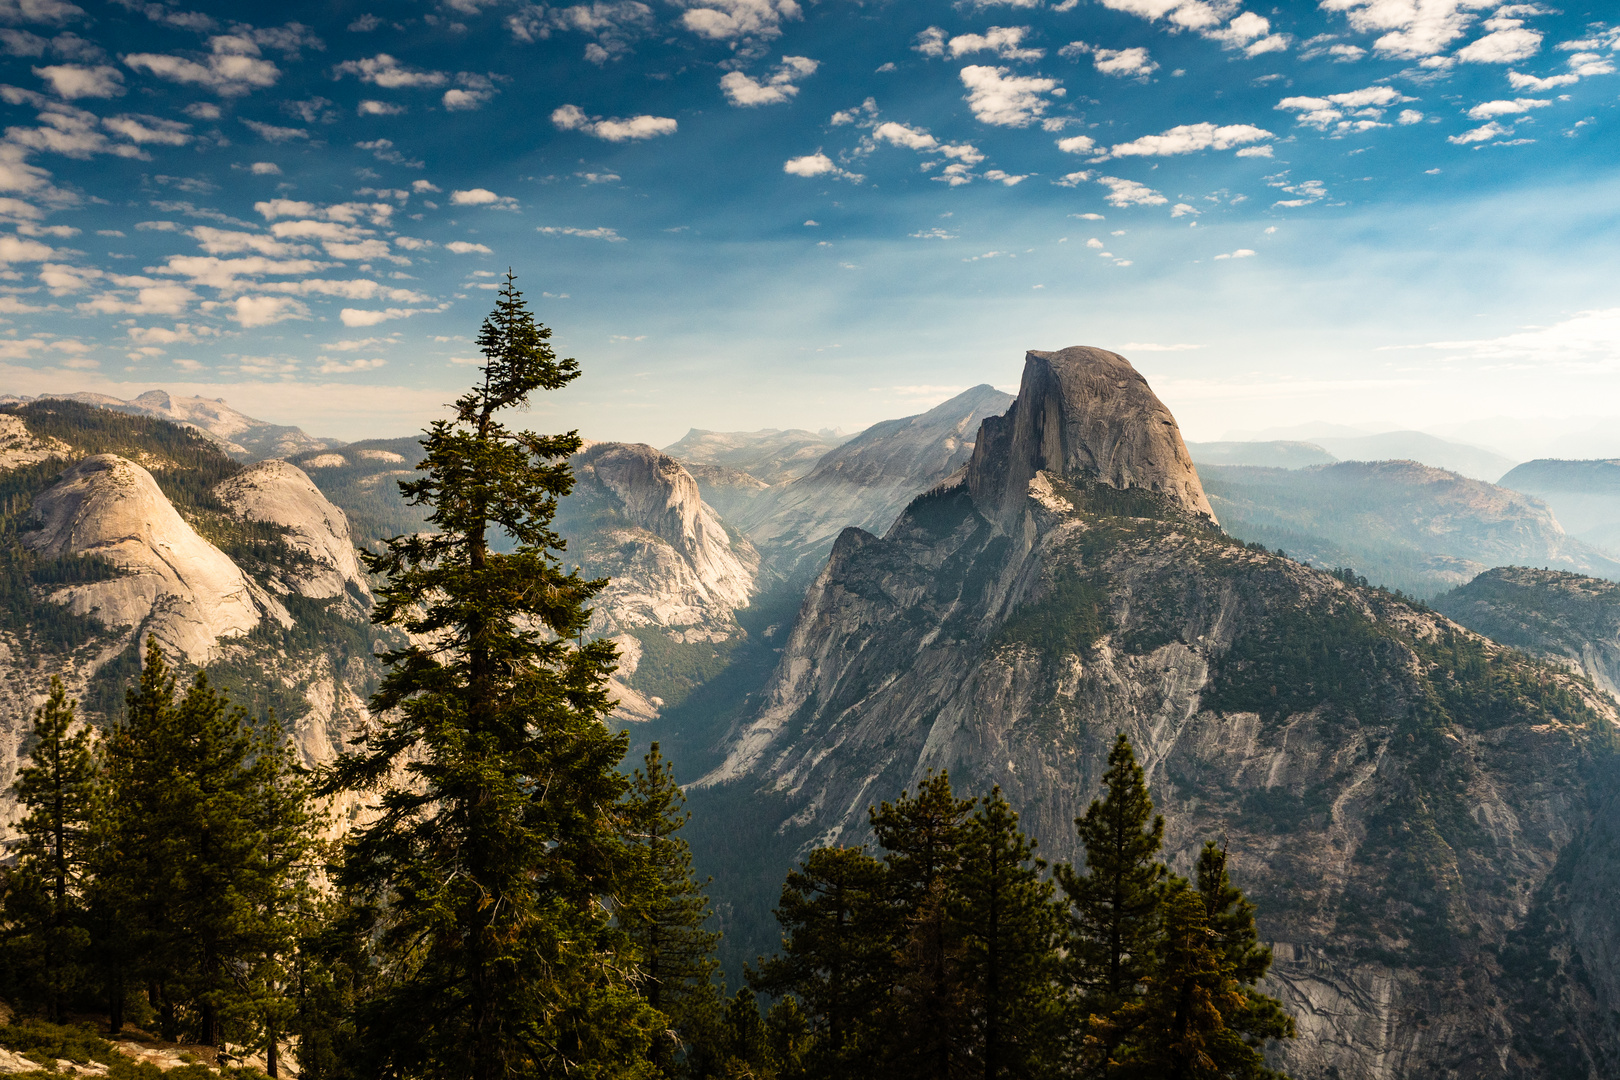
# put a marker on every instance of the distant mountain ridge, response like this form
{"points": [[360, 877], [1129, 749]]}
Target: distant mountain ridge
{"points": [[1585, 494], [240, 435]]}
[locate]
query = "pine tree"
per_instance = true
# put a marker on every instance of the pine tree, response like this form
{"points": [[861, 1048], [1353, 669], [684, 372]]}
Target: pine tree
{"points": [[926, 1011], [46, 897], [497, 835], [836, 959], [664, 912], [1010, 926], [1230, 917], [1114, 906]]}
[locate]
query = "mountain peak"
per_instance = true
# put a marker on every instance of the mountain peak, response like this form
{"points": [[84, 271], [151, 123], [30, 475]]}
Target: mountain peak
{"points": [[1084, 413]]}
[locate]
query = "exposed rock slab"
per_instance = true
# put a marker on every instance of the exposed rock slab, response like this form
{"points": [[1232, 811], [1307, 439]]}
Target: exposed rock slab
{"points": [[175, 584], [1083, 413], [280, 493], [19, 446]]}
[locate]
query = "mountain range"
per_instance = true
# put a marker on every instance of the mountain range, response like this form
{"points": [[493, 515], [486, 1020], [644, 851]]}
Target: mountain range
{"points": [[810, 621]]}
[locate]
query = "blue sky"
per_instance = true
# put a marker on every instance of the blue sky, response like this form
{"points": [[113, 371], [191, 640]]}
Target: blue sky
{"points": [[749, 213]]}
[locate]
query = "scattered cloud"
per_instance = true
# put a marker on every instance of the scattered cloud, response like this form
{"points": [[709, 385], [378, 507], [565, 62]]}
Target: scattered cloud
{"points": [[1508, 42], [379, 108], [1130, 193], [272, 133], [573, 118], [1483, 133], [233, 70], [818, 164], [1188, 139], [1240, 253], [1485, 110], [1121, 63], [483, 197], [384, 71], [1005, 100], [1007, 42], [613, 26], [1354, 110], [774, 89], [465, 247], [77, 81]]}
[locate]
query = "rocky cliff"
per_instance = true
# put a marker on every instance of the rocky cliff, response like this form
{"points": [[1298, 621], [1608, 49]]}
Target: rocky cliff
{"points": [[174, 584], [676, 574], [1568, 618], [281, 494], [867, 481], [1402, 524], [1403, 798]]}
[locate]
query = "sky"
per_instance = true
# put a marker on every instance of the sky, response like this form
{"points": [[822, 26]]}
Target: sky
{"points": [[781, 213]]}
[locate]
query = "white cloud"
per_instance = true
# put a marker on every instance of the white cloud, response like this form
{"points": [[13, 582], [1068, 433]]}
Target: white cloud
{"points": [[1484, 133], [1245, 30], [54, 12], [1121, 63], [1181, 209], [930, 42], [573, 118], [817, 164], [748, 23], [464, 247], [1007, 42], [1305, 192], [384, 71], [14, 249], [383, 150], [776, 88], [1240, 253], [1188, 139], [483, 197], [600, 233], [1077, 144], [265, 168], [1408, 29], [1006, 100], [1130, 193], [364, 317], [1532, 83], [379, 108], [1508, 42], [274, 133], [252, 311], [1486, 110], [151, 298], [1587, 64], [77, 80], [1001, 177], [1586, 340], [901, 135], [1354, 110], [1409, 117], [422, 187], [458, 100], [226, 242], [234, 68], [334, 367], [181, 333]]}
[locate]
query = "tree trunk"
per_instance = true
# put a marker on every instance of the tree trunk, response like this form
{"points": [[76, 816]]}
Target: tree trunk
{"points": [[271, 1058]]}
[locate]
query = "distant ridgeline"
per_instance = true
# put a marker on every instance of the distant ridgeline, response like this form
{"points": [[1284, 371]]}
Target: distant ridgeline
{"points": [[305, 646]]}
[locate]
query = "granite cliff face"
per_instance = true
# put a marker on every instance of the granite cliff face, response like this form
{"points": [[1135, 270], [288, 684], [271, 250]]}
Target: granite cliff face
{"points": [[175, 585], [677, 575], [1403, 798], [867, 481], [282, 494], [1083, 413]]}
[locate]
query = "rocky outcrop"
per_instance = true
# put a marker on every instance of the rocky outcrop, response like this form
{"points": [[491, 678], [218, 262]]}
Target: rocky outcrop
{"points": [[175, 584], [1553, 614], [1398, 810], [867, 481], [770, 454], [20, 447], [280, 493], [674, 570], [1083, 413], [1400, 523]]}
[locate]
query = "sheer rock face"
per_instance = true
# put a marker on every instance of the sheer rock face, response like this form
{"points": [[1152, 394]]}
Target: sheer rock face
{"points": [[177, 585], [281, 493], [636, 517], [1083, 413], [867, 481], [1402, 827]]}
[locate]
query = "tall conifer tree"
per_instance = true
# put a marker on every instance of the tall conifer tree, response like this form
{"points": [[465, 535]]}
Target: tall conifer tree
{"points": [[664, 912], [836, 959], [46, 898], [926, 1011], [1114, 906], [1010, 926], [498, 834]]}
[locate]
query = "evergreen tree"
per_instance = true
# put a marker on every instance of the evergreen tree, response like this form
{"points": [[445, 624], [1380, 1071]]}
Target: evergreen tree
{"points": [[1114, 906], [664, 912], [837, 938], [1230, 917], [1010, 926], [483, 874], [45, 900], [926, 1011]]}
